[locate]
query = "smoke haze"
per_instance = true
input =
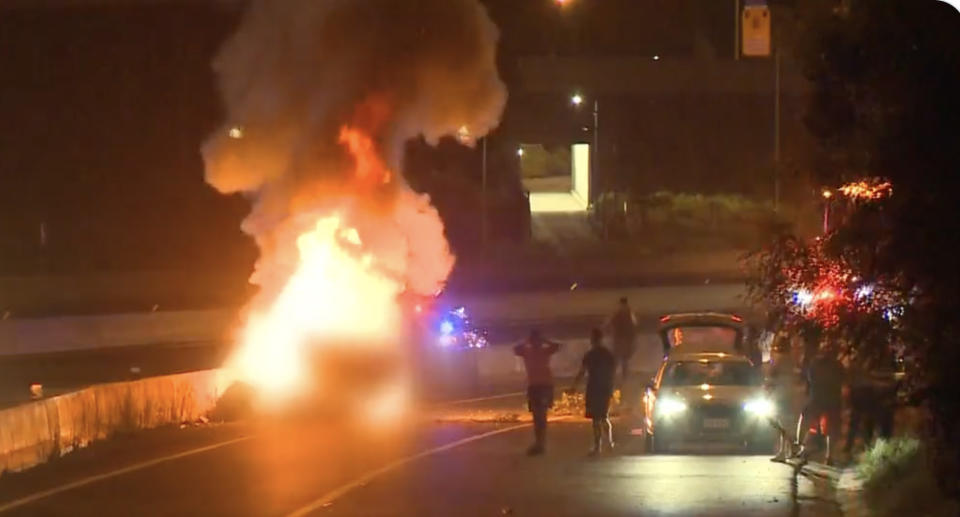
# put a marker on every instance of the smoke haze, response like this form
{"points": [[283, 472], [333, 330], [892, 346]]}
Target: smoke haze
{"points": [[297, 73]]}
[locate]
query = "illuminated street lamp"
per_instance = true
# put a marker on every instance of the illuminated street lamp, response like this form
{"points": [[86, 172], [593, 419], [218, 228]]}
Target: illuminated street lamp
{"points": [[520, 152], [827, 195], [577, 100]]}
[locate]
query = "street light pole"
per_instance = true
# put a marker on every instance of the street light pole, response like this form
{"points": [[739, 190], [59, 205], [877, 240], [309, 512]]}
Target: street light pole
{"points": [[577, 101], [776, 131], [827, 195], [596, 145], [736, 29]]}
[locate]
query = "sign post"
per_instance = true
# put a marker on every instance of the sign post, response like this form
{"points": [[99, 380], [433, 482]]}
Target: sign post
{"points": [[755, 23]]}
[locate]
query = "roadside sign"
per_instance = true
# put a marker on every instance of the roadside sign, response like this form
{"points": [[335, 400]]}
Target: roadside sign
{"points": [[756, 30]]}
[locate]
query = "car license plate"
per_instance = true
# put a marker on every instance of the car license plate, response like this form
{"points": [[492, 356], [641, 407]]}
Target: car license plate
{"points": [[716, 423]]}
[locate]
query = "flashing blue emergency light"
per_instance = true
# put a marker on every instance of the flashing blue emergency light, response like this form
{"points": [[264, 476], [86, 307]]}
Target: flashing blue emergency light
{"points": [[446, 327]]}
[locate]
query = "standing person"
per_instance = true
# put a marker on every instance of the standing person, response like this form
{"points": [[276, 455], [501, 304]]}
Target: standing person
{"points": [[781, 386], [624, 325], [823, 411], [886, 386], [600, 367], [863, 404], [536, 353]]}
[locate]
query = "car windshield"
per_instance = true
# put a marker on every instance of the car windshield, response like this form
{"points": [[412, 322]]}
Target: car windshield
{"points": [[718, 373]]}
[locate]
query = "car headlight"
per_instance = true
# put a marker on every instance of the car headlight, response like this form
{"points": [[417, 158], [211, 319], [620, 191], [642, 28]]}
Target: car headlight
{"points": [[668, 406], [760, 407]]}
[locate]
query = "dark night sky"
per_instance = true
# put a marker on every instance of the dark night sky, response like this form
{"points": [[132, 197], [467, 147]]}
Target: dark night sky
{"points": [[104, 106]]}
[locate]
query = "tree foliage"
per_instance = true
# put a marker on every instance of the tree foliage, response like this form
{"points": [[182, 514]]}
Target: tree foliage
{"points": [[886, 103]]}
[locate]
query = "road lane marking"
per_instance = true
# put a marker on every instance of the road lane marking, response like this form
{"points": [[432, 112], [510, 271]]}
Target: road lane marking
{"points": [[480, 399], [340, 491], [5, 507]]}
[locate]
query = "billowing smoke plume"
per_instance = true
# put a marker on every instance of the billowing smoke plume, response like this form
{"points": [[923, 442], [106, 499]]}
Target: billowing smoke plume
{"points": [[299, 76]]}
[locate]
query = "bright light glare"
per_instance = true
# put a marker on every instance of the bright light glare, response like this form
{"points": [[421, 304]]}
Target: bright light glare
{"points": [[803, 298], [864, 291], [670, 406], [446, 328], [464, 136], [577, 200], [555, 202], [336, 292], [520, 152], [577, 99], [236, 132], [760, 407], [390, 404]]}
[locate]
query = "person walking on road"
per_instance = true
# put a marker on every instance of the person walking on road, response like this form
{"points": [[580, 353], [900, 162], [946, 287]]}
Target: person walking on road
{"points": [[536, 353], [624, 326], [600, 367], [823, 411]]}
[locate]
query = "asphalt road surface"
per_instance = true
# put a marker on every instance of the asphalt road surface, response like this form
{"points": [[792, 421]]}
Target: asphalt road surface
{"points": [[422, 467]]}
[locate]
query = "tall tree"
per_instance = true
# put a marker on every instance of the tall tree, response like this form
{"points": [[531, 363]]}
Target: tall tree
{"points": [[886, 104]]}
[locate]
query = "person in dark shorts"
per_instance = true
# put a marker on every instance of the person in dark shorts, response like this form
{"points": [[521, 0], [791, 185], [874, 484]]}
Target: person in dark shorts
{"points": [[863, 401], [536, 353], [780, 385], [600, 366], [822, 413], [623, 323]]}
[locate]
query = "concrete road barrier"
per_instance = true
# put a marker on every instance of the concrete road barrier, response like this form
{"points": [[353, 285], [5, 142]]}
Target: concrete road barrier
{"points": [[35, 432], [589, 306]]}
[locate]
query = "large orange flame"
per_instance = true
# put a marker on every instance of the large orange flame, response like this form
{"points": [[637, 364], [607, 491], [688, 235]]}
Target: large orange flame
{"points": [[335, 295]]}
